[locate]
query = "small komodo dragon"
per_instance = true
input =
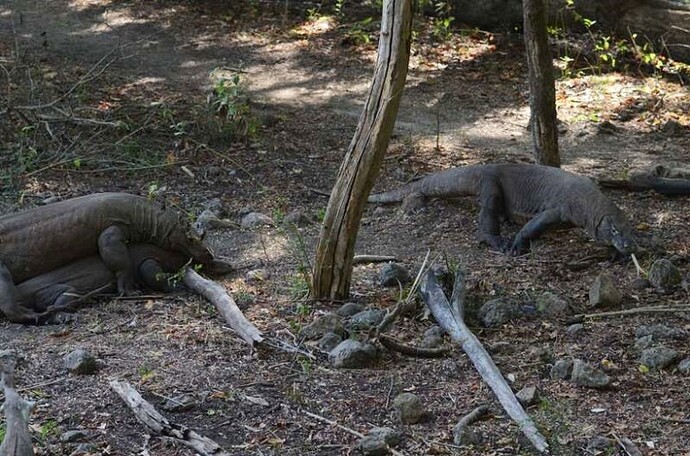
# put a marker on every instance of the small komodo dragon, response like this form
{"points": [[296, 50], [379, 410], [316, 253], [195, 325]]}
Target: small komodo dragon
{"points": [[60, 289], [44, 238], [551, 196]]}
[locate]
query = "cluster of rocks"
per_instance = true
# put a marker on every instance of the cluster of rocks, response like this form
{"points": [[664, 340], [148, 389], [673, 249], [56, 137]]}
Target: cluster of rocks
{"points": [[580, 373], [650, 343]]}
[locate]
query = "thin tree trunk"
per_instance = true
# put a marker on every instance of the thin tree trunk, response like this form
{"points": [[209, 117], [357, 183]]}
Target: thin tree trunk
{"points": [[542, 90], [360, 167]]}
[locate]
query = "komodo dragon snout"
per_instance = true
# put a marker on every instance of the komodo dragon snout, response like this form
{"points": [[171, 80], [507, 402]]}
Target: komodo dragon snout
{"points": [[620, 237]]}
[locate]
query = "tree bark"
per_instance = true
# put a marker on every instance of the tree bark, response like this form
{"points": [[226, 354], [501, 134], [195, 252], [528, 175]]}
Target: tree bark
{"points": [[360, 167], [542, 88]]}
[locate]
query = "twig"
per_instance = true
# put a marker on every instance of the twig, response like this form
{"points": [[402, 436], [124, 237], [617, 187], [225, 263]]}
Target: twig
{"points": [[637, 266], [462, 429], [358, 259], [639, 310], [418, 352]]}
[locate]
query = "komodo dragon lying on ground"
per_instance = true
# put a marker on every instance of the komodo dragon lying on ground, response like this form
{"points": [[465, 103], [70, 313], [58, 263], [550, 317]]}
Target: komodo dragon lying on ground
{"points": [[552, 196], [60, 289], [39, 240]]}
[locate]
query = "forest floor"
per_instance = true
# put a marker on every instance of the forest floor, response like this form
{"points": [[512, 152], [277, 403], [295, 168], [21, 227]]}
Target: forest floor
{"points": [[112, 96]]}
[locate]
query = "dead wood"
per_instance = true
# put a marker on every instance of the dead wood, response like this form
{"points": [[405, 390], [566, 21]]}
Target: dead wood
{"points": [[450, 316], [226, 306], [418, 352], [17, 440], [640, 310], [462, 428], [359, 259], [160, 426]]}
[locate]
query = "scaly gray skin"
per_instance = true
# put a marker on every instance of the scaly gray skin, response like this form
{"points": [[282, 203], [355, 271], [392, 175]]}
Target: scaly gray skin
{"points": [[551, 196], [60, 289], [39, 240]]}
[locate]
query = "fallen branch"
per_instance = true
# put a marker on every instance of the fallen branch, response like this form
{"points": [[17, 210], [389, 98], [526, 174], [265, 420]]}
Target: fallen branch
{"points": [[639, 310], [159, 425], [450, 316], [17, 440], [417, 352], [462, 429], [359, 259], [226, 306]]}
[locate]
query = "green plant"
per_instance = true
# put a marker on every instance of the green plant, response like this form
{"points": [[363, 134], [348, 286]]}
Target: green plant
{"points": [[306, 364], [2, 432], [442, 23], [338, 7], [47, 429], [359, 33], [146, 373], [230, 102], [298, 287], [320, 214]]}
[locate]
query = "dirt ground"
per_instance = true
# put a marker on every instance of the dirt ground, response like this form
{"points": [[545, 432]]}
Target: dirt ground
{"points": [[112, 96]]}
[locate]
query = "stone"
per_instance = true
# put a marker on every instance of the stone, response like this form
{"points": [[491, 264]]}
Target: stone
{"points": [[298, 217], [408, 408], [640, 283], [74, 435], [433, 337], [575, 329], [365, 319], [353, 354], [684, 366], [394, 275], [661, 332], [389, 435], [80, 362], [604, 292], [644, 342], [599, 444], [180, 403], [254, 219], [586, 375], [497, 312], [257, 275], [373, 446], [349, 309], [658, 357], [527, 396], [562, 369], [328, 322], [329, 341], [551, 305], [664, 276]]}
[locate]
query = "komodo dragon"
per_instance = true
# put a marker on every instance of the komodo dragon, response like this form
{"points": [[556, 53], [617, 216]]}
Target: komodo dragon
{"points": [[60, 289], [553, 197], [42, 239]]}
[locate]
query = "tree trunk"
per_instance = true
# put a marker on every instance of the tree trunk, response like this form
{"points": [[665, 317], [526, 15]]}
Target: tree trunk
{"points": [[360, 167], [542, 89]]}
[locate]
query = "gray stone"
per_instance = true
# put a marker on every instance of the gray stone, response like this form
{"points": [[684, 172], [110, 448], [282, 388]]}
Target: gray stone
{"points": [[604, 292], [412, 203], [661, 332], [551, 304], [408, 408], [323, 324], [254, 219], [562, 369], [528, 396], [257, 275], [664, 276], [586, 375], [393, 275], [389, 435], [644, 342], [464, 435], [180, 403], [352, 354], [74, 435], [298, 217], [349, 309], [658, 357], [371, 445], [640, 283], [684, 366], [497, 312], [365, 319], [599, 443], [80, 362], [575, 329], [433, 337], [329, 341]]}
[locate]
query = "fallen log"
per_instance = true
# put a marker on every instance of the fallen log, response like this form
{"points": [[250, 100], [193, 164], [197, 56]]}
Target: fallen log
{"points": [[159, 425], [450, 316], [17, 441], [226, 306]]}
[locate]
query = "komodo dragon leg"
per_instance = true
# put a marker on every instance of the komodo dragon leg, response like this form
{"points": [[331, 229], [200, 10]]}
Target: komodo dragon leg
{"points": [[492, 208], [10, 303], [112, 248], [154, 277], [537, 226]]}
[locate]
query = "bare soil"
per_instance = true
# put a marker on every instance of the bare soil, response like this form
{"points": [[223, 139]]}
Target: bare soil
{"points": [[112, 95]]}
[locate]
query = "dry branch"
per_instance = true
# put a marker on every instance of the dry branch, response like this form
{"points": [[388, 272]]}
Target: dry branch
{"points": [[359, 259], [17, 440], [417, 352], [159, 425], [226, 306], [450, 316]]}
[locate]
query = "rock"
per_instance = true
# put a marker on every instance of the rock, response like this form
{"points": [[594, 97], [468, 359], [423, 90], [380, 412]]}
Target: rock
{"points": [[349, 309], [408, 408], [80, 362], [562, 369], [644, 342], [497, 312], [464, 435], [599, 444], [254, 219], [661, 332], [412, 203], [329, 341], [257, 275], [352, 354], [658, 357], [389, 435], [684, 366], [575, 329], [527, 396], [373, 446], [74, 435], [606, 128], [629, 447], [433, 337], [365, 319], [323, 324], [664, 276], [298, 217], [551, 304], [208, 220], [640, 283], [604, 292], [394, 275], [180, 403], [586, 375]]}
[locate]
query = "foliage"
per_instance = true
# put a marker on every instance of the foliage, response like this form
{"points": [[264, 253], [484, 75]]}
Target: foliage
{"points": [[230, 102]]}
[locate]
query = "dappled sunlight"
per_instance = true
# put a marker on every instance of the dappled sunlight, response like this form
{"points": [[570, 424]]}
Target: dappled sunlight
{"points": [[316, 26]]}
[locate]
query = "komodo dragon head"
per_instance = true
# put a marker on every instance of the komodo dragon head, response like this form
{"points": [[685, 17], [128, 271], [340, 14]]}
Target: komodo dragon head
{"points": [[618, 233], [183, 239]]}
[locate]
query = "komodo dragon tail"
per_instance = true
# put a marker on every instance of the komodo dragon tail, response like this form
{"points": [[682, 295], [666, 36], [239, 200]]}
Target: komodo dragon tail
{"points": [[451, 182]]}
